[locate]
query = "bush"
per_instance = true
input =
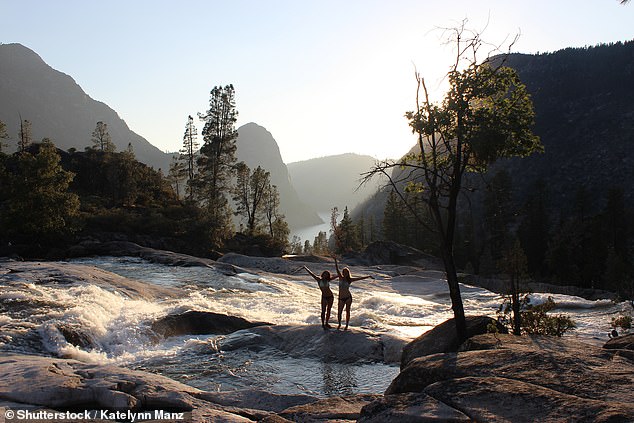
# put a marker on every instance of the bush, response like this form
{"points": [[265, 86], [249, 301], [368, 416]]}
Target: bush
{"points": [[622, 321], [535, 319]]}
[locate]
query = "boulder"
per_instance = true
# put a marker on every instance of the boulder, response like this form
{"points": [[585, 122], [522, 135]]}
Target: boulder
{"points": [[312, 341], [443, 338], [36, 383], [200, 323], [501, 378], [68, 384], [410, 408], [625, 342], [332, 409], [76, 336]]}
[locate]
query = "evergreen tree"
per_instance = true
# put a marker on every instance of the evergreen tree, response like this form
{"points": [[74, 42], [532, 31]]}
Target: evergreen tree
{"points": [[175, 173], [101, 138], [271, 207], [3, 135], [394, 223], [320, 244], [40, 207], [498, 211], [615, 214], [250, 195], [216, 164], [534, 229], [188, 155], [347, 239], [25, 137], [513, 263]]}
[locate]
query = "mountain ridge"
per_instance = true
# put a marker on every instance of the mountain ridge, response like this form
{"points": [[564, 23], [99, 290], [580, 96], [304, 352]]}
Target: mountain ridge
{"points": [[58, 108], [338, 186]]}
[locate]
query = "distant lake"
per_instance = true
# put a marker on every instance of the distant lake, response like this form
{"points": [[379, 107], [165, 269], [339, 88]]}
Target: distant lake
{"points": [[310, 232]]}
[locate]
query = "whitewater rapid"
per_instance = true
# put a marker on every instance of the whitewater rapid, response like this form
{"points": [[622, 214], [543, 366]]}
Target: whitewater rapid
{"points": [[117, 326]]}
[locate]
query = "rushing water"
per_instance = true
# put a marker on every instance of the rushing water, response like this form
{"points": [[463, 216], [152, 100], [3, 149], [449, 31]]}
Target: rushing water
{"points": [[119, 328]]}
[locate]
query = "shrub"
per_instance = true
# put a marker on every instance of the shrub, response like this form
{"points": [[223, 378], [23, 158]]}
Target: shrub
{"points": [[622, 321], [535, 319]]}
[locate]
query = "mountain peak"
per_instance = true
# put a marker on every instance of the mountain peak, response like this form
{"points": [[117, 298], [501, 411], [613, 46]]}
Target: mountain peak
{"points": [[58, 107]]}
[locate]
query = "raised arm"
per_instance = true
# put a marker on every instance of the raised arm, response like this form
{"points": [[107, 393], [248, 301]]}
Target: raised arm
{"points": [[312, 274], [337, 267]]}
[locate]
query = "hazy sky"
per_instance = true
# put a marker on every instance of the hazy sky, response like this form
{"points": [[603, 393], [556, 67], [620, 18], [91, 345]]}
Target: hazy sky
{"points": [[324, 77]]}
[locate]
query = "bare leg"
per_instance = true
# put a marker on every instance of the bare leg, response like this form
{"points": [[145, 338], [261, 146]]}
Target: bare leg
{"points": [[328, 309], [323, 312], [339, 310], [348, 304]]}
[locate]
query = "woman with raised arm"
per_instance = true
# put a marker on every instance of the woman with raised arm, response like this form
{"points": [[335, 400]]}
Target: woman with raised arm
{"points": [[345, 297], [327, 298]]}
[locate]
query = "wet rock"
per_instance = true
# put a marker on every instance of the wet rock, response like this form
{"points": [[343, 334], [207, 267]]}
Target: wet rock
{"points": [[66, 384], [338, 346], [443, 338], [257, 399], [200, 323], [76, 336], [625, 342], [34, 382], [71, 274]]}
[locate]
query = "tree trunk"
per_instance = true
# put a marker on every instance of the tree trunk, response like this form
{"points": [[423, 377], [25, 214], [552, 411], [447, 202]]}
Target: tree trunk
{"points": [[454, 294]]}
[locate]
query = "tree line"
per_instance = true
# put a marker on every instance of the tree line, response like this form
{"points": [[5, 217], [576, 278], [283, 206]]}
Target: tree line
{"points": [[51, 197]]}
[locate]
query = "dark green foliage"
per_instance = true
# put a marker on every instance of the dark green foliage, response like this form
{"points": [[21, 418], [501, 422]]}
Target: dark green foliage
{"points": [[534, 229], [536, 319], [498, 213], [250, 195], [486, 115], [36, 205], [187, 158], [216, 163], [320, 244], [622, 321], [346, 235], [514, 264]]}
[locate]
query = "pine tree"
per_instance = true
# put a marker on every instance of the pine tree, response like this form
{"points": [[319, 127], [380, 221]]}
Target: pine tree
{"points": [[25, 139], [101, 138], [250, 195], [320, 244], [3, 135], [188, 155], [498, 210], [348, 239], [271, 206], [216, 164], [40, 206], [175, 174]]}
